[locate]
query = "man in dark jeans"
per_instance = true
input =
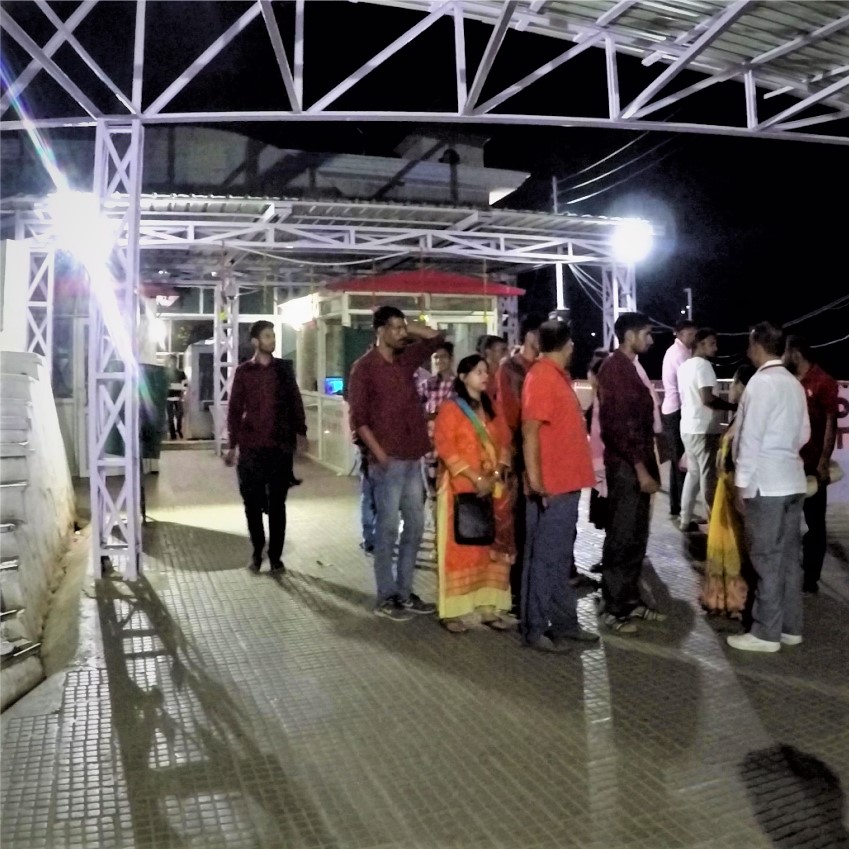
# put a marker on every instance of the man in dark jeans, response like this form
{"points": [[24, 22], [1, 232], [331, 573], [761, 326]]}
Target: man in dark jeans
{"points": [[626, 415], [677, 353], [177, 384], [265, 417]]}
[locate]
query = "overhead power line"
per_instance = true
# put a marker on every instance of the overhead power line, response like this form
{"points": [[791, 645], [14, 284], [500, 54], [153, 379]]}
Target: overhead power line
{"points": [[637, 158], [623, 180]]}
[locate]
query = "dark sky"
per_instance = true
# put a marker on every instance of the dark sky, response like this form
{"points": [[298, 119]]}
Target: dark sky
{"points": [[756, 227]]}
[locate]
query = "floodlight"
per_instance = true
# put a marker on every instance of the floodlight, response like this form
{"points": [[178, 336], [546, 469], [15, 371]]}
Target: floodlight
{"points": [[80, 227], [632, 240]]}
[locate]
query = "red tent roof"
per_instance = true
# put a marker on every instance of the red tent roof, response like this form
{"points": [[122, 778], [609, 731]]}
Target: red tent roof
{"points": [[425, 281]]}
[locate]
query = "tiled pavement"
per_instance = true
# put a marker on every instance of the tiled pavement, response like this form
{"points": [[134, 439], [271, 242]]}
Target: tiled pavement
{"points": [[209, 708]]}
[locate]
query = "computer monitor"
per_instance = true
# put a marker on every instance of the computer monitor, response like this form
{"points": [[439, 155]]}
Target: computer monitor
{"points": [[334, 385]]}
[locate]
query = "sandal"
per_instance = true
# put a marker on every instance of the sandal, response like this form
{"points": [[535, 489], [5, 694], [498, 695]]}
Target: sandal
{"points": [[619, 626], [454, 626]]}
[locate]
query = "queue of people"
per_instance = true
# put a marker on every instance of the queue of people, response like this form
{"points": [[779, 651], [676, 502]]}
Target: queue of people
{"points": [[504, 450], [757, 478]]}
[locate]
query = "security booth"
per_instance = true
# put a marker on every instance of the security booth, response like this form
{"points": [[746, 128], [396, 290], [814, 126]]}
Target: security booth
{"points": [[334, 327]]}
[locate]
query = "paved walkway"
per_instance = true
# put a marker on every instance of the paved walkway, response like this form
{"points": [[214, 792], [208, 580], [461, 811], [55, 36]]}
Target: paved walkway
{"points": [[210, 708]]}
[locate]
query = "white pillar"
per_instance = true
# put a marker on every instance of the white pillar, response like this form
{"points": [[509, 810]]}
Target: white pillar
{"points": [[113, 372], [225, 354]]}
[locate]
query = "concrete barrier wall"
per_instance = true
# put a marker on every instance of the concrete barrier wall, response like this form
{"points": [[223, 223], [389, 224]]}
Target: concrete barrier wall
{"points": [[37, 508]]}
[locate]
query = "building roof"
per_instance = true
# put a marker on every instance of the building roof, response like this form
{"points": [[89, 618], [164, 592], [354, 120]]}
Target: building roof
{"points": [[193, 239]]}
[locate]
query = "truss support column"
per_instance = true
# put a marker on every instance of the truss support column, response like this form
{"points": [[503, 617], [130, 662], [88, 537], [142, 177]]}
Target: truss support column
{"points": [[508, 319], [113, 372], [225, 354], [619, 294], [41, 266]]}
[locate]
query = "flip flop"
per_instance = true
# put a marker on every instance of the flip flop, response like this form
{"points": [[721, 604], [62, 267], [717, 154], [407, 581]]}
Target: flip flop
{"points": [[454, 626]]}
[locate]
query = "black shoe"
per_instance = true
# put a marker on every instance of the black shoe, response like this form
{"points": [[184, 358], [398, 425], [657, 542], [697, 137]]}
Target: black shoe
{"points": [[544, 644], [810, 589], [254, 565], [277, 567], [293, 481], [415, 605], [579, 636], [584, 582], [596, 568]]}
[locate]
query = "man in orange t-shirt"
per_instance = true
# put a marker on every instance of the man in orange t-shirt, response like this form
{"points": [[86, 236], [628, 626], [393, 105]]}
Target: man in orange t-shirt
{"points": [[558, 466]]}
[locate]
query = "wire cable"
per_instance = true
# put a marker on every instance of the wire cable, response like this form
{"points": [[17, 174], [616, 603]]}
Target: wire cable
{"points": [[623, 180], [832, 342], [620, 167]]}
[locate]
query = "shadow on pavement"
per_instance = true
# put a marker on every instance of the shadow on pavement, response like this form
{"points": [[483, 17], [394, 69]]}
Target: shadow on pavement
{"points": [[797, 799], [184, 740], [177, 546]]}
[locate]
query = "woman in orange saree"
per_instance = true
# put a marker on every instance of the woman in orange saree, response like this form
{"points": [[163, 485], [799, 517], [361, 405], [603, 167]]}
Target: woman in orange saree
{"points": [[474, 450]]}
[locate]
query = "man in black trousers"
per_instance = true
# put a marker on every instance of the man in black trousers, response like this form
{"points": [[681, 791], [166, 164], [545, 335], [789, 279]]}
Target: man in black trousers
{"points": [[265, 417]]}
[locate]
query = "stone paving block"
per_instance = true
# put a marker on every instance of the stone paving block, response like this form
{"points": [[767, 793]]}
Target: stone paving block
{"points": [[222, 709]]}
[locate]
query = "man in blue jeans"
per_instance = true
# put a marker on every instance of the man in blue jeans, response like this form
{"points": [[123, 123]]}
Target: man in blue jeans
{"points": [[387, 417]]}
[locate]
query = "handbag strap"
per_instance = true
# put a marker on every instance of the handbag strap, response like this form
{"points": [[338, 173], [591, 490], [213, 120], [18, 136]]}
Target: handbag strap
{"points": [[478, 425]]}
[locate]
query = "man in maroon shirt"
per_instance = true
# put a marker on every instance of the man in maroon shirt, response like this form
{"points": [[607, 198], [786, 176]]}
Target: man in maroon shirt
{"points": [[821, 392], [626, 415], [265, 417], [387, 416]]}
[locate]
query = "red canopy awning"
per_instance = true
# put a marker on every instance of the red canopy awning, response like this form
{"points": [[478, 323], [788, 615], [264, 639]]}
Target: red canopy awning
{"points": [[425, 281]]}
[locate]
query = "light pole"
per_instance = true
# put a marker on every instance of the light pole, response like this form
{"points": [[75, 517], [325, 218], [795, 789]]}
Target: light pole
{"points": [[689, 292]]}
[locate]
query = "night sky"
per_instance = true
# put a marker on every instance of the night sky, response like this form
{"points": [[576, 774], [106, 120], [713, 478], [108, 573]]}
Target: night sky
{"points": [[756, 227]]}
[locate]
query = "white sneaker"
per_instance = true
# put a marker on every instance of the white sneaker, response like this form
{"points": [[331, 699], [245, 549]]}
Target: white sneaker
{"points": [[749, 642], [791, 639]]}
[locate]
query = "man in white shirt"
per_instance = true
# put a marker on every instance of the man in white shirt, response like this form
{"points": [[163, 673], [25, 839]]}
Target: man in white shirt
{"points": [[676, 354], [770, 486], [701, 429]]}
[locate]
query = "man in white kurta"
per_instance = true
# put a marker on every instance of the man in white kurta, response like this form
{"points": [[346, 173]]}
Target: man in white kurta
{"points": [[770, 484]]}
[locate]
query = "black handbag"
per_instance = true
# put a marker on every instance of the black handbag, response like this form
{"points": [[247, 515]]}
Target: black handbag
{"points": [[474, 519]]}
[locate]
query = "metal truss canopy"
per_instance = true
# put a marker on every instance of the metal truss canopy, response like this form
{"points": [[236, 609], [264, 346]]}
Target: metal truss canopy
{"points": [[259, 241], [799, 49]]}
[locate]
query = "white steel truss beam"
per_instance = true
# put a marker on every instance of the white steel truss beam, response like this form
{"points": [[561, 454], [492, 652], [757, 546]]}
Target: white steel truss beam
{"points": [[113, 374], [379, 58], [203, 60], [441, 118], [618, 295], [460, 56], [739, 70], [56, 41], [138, 54], [7, 23], [551, 23], [540, 72], [802, 105], [225, 353], [280, 54], [40, 286], [71, 39], [298, 67], [496, 39], [720, 24]]}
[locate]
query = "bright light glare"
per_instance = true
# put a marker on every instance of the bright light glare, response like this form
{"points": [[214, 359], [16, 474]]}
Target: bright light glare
{"points": [[85, 232], [159, 332], [299, 311], [80, 228], [632, 240]]}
